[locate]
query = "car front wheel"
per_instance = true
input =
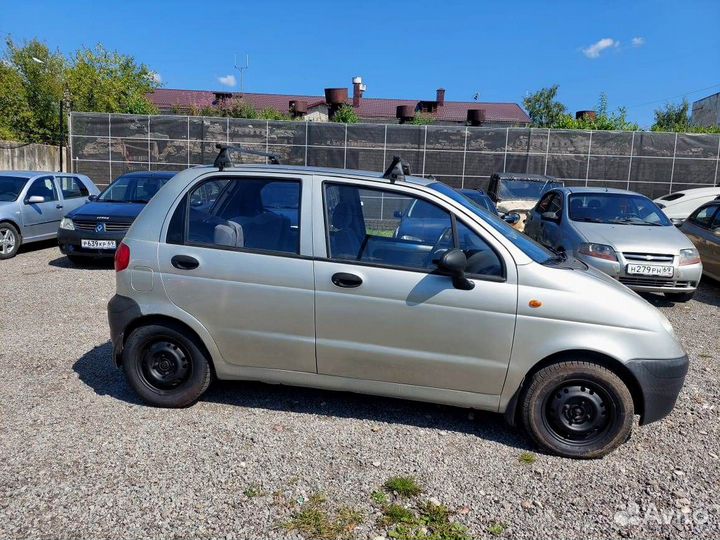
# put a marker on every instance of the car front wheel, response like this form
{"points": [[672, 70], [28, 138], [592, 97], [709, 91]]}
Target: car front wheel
{"points": [[577, 409], [9, 240], [166, 368]]}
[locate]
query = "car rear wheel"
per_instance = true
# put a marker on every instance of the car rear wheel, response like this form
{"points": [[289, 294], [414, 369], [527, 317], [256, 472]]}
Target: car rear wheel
{"points": [[166, 368], [9, 240], [577, 409], [680, 297]]}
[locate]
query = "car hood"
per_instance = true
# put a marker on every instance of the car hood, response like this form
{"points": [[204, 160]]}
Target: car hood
{"points": [[635, 238], [111, 210]]}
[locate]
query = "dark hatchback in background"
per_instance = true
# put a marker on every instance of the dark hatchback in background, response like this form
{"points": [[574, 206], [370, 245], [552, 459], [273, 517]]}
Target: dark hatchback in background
{"points": [[96, 229]]}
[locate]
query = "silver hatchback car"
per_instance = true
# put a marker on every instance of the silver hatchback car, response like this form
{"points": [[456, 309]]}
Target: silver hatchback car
{"points": [[622, 233], [296, 275], [32, 204]]}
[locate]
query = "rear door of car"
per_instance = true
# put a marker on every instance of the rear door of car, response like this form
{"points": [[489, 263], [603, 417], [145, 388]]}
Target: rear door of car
{"points": [[74, 193], [245, 270], [41, 220], [383, 314]]}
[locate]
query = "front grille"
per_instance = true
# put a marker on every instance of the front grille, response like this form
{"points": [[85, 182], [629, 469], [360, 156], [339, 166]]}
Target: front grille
{"points": [[649, 281], [647, 257], [110, 226]]}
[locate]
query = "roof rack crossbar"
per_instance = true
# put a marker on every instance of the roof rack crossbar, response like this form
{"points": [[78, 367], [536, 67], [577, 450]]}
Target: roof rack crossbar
{"points": [[223, 158], [397, 170]]}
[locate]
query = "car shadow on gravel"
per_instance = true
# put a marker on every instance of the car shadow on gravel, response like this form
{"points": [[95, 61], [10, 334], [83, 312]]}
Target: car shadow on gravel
{"points": [[96, 369], [90, 264], [37, 246]]}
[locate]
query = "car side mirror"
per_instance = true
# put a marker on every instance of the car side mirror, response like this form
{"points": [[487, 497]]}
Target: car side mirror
{"points": [[550, 216], [453, 264], [397, 214], [511, 217], [35, 199], [92, 198], [716, 232]]}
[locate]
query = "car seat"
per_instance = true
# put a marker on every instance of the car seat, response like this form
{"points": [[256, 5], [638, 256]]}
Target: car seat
{"points": [[229, 234], [344, 241]]}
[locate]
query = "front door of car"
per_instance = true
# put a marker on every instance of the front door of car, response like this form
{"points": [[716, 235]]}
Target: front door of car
{"points": [[243, 269], [73, 191], [41, 219], [550, 219], [382, 312]]}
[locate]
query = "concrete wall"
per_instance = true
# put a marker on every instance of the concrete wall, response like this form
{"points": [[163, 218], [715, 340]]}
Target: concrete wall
{"points": [[16, 156]]}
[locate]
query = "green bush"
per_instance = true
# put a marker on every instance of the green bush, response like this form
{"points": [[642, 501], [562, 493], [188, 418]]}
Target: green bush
{"points": [[346, 115]]}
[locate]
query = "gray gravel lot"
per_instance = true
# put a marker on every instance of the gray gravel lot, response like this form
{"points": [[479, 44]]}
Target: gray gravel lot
{"points": [[81, 457]]}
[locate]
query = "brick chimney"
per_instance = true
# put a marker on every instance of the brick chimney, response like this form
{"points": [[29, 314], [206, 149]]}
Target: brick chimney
{"points": [[358, 89], [440, 97]]}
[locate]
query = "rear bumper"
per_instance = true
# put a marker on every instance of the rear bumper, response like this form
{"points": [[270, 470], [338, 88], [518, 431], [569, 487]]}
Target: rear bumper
{"points": [[121, 312], [70, 242], [660, 383]]}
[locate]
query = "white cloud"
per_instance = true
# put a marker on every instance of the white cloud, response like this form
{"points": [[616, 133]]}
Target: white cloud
{"points": [[227, 80], [155, 77], [594, 50], [638, 41]]}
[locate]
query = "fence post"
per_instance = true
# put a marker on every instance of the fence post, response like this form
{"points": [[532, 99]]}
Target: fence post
{"points": [[69, 152], [507, 139], [148, 141], [345, 149], [547, 150], [424, 151], [306, 141], [717, 161], [632, 150], [587, 167], [267, 138], [385, 147], [110, 147], [188, 141], [462, 179], [672, 171]]}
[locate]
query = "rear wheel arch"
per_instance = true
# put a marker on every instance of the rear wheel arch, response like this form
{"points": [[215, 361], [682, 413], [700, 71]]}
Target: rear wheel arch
{"points": [[594, 357], [176, 324]]}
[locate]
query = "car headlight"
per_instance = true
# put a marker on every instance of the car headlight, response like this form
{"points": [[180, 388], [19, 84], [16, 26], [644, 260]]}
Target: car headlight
{"points": [[67, 224], [689, 256], [599, 251]]}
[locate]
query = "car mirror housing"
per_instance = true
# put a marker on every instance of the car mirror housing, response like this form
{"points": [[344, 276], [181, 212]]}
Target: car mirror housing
{"points": [[35, 199], [511, 217], [92, 198], [550, 216], [453, 264]]}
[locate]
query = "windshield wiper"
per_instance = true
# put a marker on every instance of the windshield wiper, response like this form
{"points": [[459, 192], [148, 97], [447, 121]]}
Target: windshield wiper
{"points": [[139, 201], [635, 221], [587, 219]]}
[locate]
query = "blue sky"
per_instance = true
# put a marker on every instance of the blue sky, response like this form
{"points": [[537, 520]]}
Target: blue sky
{"points": [[641, 53]]}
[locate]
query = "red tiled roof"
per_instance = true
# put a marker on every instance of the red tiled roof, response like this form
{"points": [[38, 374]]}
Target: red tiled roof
{"points": [[452, 111]]}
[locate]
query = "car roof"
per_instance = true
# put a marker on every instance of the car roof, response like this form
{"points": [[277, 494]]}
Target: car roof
{"points": [[29, 174], [327, 171], [712, 190], [581, 189], [523, 176], [158, 174]]}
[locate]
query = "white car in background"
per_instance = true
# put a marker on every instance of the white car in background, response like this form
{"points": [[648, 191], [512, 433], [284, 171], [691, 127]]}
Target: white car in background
{"points": [[680, 204]]}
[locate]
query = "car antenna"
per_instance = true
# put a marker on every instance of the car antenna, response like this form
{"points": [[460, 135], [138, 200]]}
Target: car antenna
{"points": [[223, 158], [397, 170]]}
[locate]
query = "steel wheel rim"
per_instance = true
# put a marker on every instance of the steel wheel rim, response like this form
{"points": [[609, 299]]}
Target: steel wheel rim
{"points": [[7, 241], [579, 412], [164, 364]]}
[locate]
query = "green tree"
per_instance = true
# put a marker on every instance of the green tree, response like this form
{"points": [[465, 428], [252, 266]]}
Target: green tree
{"points": [[346, 115], [41, 73], [672, 117], [604, 119], [543, 107], [107, 81], [16, 118]]}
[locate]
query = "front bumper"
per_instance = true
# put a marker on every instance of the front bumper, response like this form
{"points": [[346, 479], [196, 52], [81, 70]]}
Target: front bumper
{"points": [[660, 383], [121, 312], [70, 242], [684, 278]]}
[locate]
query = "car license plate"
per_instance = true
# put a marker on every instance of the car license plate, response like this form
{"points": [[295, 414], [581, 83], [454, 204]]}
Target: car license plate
{"points": [[650, 270], [98, 244]]}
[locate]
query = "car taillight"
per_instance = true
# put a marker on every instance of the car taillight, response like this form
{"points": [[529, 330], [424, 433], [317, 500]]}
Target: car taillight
{"points": [[122, 257]]}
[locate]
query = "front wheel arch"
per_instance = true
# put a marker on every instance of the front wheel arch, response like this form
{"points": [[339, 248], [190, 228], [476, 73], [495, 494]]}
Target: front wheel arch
{"points": [[17, 227], [616, 366]]}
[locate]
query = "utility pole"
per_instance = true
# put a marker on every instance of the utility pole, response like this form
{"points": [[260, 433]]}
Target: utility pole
{"points": [[242, 69]]}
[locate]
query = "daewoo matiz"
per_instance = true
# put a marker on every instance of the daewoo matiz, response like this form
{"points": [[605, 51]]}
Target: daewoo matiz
{"points": [[296, 275]]}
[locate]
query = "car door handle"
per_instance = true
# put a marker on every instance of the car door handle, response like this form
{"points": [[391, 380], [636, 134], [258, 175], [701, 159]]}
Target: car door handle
{"points": [[58, 206], [184, 262], [346, 280]]}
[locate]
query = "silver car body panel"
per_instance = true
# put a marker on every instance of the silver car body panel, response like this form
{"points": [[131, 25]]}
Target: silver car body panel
{"points": [[408, 334]]}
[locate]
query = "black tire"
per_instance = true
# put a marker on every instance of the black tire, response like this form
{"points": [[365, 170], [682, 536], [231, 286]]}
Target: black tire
{"points": [[577, 409], [680, 297], [10, 240], [165, 367]]}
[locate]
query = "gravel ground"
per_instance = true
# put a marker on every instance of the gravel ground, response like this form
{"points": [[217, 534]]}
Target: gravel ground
{"points": [[81, 457]]}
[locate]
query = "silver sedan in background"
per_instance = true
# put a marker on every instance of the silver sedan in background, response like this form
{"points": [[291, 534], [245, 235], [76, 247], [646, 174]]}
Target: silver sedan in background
{"points": [[622, 233]]}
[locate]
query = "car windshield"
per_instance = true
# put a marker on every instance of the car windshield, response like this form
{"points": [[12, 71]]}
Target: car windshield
{"points": [[524, 243], [133, 189], [10, 187], [616, 208], [513, 190]]}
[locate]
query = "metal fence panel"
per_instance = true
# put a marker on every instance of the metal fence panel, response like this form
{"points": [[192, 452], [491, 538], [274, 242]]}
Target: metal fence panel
{"points": [[104, 146]]}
